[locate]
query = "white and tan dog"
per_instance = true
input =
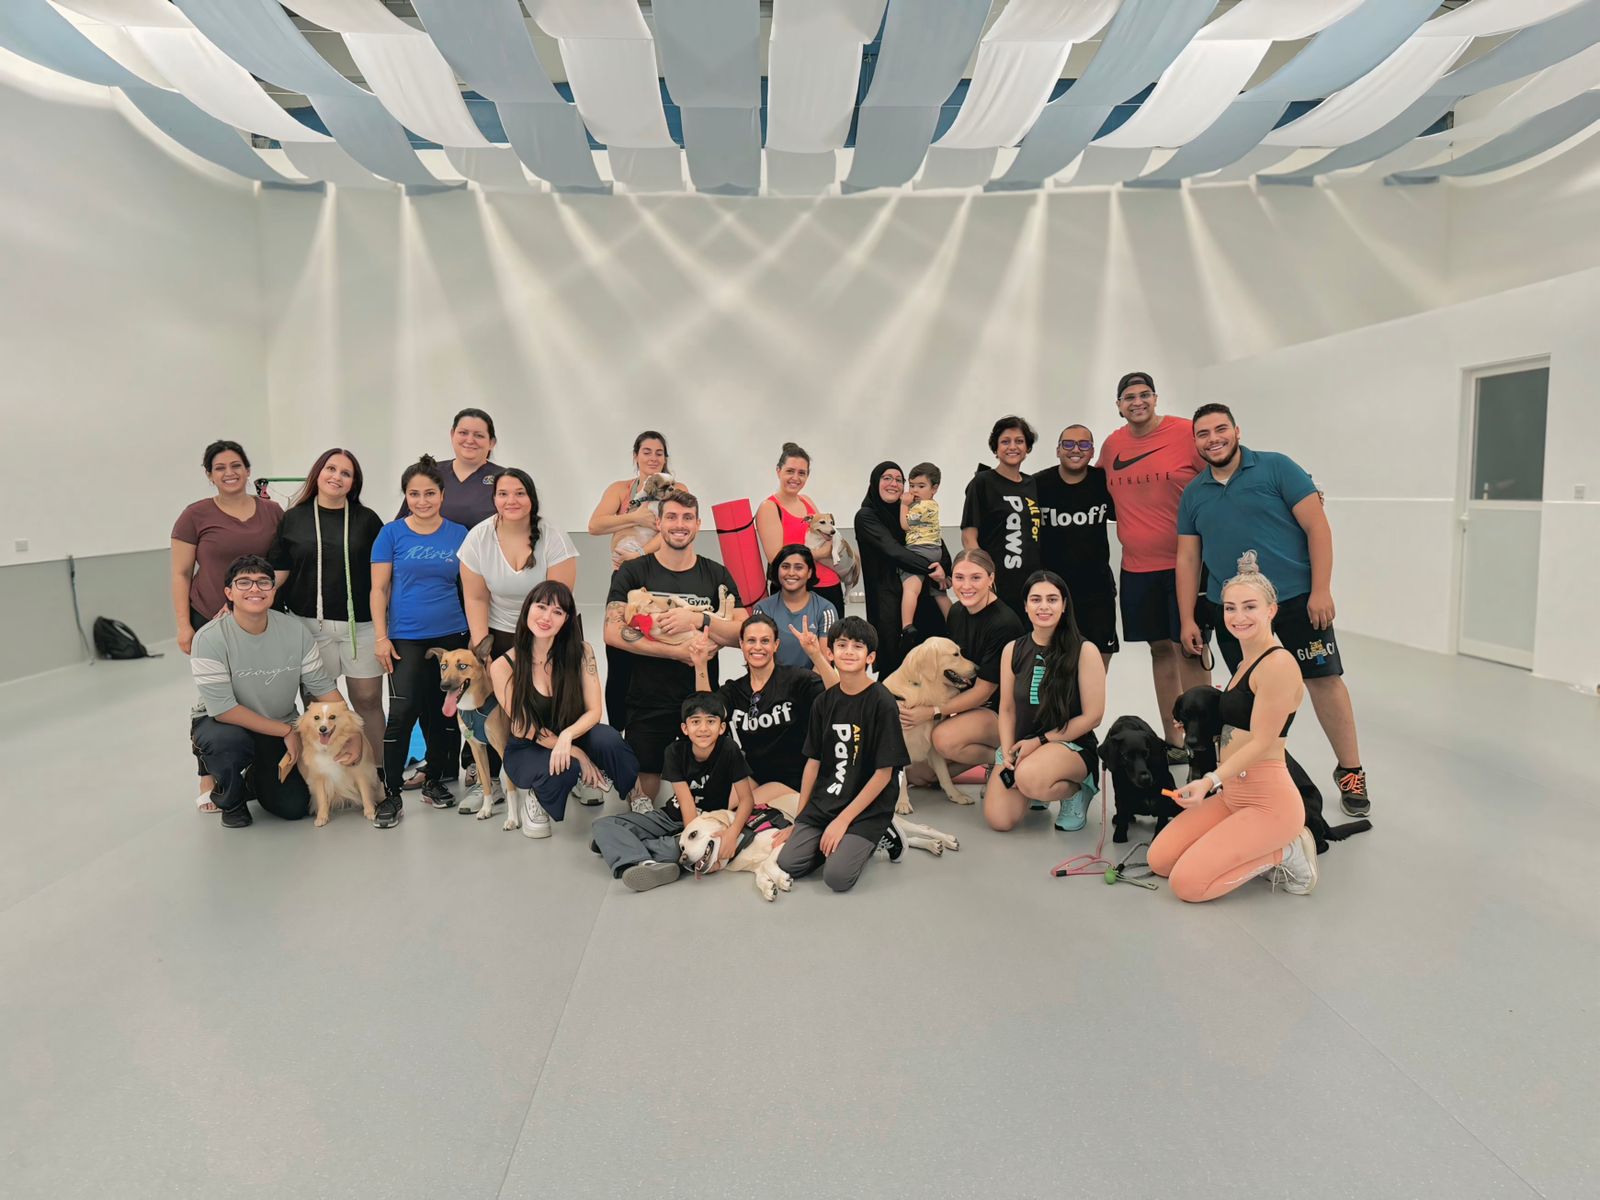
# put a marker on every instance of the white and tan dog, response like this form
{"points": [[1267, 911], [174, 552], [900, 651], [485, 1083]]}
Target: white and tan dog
{"points": [[824, 540], [325, 729], [934, 673], [464, 678], [631, 540], [643, 606]]}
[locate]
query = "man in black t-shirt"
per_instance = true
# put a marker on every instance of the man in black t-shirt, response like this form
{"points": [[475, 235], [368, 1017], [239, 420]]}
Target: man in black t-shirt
{"points": [[1001, 513], [854, 752], [1074, 508], [707, 772], [664, 674]]}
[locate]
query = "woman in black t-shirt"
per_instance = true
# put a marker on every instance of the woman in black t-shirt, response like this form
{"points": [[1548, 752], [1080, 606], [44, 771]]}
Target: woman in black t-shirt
{"points": [[1001, 514], [1052, 698], [882, 545]]}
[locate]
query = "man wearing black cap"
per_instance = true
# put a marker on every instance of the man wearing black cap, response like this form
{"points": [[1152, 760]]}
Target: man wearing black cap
{"points": [[1148, 462]]}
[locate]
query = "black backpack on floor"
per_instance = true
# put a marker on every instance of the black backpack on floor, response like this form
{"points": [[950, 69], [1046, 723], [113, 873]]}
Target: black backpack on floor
{"points": [[113, 639]]}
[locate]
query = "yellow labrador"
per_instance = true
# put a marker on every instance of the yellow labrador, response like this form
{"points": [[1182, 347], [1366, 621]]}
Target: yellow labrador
{"points": [[934, 673], [326, 728]]}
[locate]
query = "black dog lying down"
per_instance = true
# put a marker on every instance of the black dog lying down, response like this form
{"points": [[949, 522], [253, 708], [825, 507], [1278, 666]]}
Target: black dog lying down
{"points": [[1199, 712], [1135, 758]]}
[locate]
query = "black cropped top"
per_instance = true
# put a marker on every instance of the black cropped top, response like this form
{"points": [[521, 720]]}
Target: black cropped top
{"points": [[1239, 702]]}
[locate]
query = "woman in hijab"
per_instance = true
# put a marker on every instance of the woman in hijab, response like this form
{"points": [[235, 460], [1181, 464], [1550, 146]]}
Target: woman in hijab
{"points": [[882, 545]]}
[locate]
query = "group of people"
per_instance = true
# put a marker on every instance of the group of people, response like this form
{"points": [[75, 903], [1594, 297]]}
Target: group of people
{"points": [[1216, 539]]}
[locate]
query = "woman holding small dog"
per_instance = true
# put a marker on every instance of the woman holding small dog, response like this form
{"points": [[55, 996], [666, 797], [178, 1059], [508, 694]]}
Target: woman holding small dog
{"points": [[1246, 818], [1052, 699], [781, 520], [415, 606], [549, 685]]}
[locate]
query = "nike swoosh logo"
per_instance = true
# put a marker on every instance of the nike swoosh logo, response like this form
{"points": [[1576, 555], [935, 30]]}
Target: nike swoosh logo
{"points": [[1122, 464]]}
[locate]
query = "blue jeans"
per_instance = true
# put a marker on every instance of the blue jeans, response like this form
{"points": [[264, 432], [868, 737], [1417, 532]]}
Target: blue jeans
{"points": [[528, 766]]}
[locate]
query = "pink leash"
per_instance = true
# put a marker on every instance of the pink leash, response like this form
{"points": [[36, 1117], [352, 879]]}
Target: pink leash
{"points": [[1089, 864]]}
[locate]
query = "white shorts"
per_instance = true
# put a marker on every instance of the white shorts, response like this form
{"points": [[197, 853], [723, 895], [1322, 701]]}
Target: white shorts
{"points": [[333, 642]]}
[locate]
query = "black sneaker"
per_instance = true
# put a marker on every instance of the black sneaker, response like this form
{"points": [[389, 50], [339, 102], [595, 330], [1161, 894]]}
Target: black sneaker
{"points": [[436, 795], [891, 844], [388, 812], [1176, 754], [237, 817], [1352, 787]]}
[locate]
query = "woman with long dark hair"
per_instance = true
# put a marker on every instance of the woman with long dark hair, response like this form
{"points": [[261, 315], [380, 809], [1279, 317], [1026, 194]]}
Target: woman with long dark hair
{"points": [[502, 560], [416, 606], [795, 605], [881, 543], [1052, 699], [323, 560], [549, 685]]}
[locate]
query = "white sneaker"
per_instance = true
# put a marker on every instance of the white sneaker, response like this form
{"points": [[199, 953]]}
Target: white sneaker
{"points": [[641, 803], [535, 821], [641, 877], [472, 798], [1297, 873]]}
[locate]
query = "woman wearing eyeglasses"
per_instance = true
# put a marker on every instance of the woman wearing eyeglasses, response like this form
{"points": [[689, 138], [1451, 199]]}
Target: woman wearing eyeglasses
{"points": [[1074, 508]]}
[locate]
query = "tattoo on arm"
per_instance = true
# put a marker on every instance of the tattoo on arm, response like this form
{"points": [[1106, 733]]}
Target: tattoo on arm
{"points": [[614, 611], [589, 666]]}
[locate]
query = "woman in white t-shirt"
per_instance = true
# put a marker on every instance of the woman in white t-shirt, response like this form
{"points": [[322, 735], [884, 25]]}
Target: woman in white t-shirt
{"points": [[502, 560]]}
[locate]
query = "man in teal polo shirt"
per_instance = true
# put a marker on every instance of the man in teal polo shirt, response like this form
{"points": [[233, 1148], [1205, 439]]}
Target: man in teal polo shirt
{"points": [[1261, 501]]}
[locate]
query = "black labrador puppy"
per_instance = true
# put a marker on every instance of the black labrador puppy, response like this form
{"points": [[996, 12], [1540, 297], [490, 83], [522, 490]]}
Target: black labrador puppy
{"points": [[1135, 759], [1199, 712]]}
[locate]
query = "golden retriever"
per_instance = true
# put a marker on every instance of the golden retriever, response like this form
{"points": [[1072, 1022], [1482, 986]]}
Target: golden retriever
{"points": [[464, 678], [325, 729], [934, 673], [824, 541], [643, 606]]}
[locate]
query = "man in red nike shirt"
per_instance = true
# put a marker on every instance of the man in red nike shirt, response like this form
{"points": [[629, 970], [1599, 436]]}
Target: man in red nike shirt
{"points": [[1148, 462]]}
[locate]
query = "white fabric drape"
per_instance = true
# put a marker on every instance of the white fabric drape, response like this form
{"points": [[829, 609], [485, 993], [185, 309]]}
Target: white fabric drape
{"points": [[1213, 69], [191, 64], [1386, 91], [814, 71], [611, 64]]}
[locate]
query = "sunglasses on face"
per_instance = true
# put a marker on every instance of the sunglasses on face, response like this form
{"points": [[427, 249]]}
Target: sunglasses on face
{"points": [[252, 585], [1069, 444]]}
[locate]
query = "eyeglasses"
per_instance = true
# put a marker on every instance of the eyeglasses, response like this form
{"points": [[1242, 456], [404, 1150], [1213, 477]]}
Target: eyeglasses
{"points": [[890, 477], [1144, 395], [1069, 444], [252, 585]]}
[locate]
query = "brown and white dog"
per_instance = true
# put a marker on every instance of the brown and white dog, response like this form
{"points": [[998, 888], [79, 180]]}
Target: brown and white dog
{"points": [[464, 678], [325, 729], [934, 673], [643, 607], [631, 539], [824, 540]]}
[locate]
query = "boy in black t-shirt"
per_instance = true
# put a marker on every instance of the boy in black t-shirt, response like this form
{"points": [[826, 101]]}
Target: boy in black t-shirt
{"points": [[854, 751], [707, 771]]}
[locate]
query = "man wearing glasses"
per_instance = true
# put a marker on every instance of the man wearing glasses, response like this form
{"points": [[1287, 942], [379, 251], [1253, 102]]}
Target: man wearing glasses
{"points": [[1148, 462], [1074, 507], [250, 665]]}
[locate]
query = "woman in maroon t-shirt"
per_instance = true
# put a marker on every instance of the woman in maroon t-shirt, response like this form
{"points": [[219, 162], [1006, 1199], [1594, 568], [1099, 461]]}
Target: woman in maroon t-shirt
{"points": [[206, 538]]}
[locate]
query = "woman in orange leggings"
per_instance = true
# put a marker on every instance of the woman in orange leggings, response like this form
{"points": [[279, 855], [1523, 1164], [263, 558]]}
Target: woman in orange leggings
{"points": [[1245, 818]]}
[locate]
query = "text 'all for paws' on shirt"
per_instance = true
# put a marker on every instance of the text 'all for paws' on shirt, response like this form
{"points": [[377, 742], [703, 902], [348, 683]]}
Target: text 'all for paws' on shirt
{"points": [[1146, 476], [1073, 540], [771, 725], [658, 685], [423, 598], [709, 782], [851, 737], [1005, 513]]}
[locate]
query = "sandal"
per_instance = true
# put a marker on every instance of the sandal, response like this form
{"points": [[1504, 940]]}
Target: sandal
{"points": [[204, 803]]}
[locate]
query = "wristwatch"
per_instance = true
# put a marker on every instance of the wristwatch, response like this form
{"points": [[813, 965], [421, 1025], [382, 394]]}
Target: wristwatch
{"points": [[936, 713], [705, 621]]}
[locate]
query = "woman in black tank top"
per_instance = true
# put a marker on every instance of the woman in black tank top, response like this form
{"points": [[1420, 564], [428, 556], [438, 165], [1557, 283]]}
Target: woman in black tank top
{"points": [[1052, 698]]}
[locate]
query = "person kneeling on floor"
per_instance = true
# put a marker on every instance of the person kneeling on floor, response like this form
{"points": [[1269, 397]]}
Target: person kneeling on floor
{"points": [[707, 772], [250, 665], [854, 751]]}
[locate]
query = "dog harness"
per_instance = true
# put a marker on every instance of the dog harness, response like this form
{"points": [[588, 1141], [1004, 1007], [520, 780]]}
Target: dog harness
{"points": [[476, 720], [760, 820]]}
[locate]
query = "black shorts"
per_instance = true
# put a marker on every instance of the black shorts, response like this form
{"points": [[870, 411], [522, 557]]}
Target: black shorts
{"points": [[1316, 650], [648, 735], [1150, 606], [1094, 607]]}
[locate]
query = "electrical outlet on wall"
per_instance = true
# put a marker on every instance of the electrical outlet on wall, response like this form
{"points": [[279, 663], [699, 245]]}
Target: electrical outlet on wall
{"points": [[1580, 491], [21, 545]]}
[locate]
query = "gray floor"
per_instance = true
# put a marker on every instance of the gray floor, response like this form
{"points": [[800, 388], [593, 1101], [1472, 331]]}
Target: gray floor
{"points": [[448, 1010]]}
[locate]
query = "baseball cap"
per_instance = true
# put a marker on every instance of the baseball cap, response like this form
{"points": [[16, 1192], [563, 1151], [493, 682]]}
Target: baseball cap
{"points": [[1135, 377]]}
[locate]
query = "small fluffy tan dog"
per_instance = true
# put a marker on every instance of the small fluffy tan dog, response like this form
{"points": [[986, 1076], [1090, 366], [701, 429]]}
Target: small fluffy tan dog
{"points": [[464, 678], [933, 673], [325, 730], [643, 607], [631, 539], [823, 539]]}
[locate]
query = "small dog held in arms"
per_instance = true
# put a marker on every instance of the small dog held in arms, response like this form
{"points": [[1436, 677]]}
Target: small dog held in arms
{"points": [[933, 673], [630, 540], [824, 541], [643, 607], [469, 698], [325, 729]]}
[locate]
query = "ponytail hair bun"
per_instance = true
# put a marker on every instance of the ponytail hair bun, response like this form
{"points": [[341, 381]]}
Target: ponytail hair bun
{"points": [[1249, 575]]}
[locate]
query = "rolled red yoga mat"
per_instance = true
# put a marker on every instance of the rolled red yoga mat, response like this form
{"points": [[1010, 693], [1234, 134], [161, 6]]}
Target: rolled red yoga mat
{"points": [[741, 552]]}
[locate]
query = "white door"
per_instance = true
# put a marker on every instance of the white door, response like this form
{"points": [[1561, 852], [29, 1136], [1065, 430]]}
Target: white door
{"points": [[1501, 514]]}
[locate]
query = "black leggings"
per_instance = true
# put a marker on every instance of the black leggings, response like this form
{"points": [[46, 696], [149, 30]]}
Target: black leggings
{"points": [[500, 642], [619, 669], [414, 695]]}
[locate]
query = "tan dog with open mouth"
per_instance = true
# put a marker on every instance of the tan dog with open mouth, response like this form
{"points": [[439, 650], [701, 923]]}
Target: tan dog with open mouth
{"points": [[824, 540], [325, 729], [643, 606], [469, 698], [934, 673], [632, 539]]}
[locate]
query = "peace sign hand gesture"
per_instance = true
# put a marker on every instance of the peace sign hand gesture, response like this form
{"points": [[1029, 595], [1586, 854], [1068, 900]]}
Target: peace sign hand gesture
{"points": [[807, 639]]}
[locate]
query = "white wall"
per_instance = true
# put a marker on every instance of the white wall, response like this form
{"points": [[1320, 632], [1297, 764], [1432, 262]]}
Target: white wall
{"points": [[1376, 414], [129, 329], [862, 327]]}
